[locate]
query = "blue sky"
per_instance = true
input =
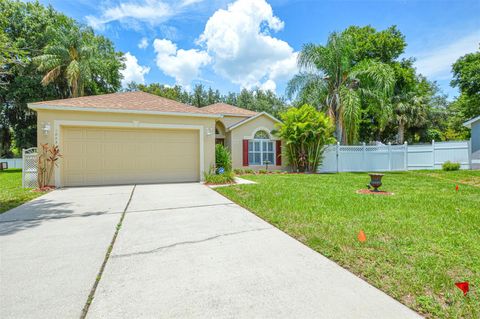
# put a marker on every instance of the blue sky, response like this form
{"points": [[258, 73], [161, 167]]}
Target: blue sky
{"points": [[246, 43]]}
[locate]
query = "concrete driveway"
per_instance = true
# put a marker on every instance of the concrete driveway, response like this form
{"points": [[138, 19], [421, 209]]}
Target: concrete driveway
{"points": [[183, 251]]}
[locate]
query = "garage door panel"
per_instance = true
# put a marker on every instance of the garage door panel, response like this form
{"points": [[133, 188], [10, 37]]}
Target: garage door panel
{"points": [[94, 134], [96, 156], [74, 133], [93, 148], [76, 148], [93, 163], [74, 163]]}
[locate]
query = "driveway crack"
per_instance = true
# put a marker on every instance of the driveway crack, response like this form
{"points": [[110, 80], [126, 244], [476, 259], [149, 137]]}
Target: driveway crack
{"points": [[188, 242], [107, 255]]}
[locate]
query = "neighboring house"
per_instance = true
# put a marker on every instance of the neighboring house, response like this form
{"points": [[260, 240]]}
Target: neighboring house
{"points": [[474, 125], [136, 137]]}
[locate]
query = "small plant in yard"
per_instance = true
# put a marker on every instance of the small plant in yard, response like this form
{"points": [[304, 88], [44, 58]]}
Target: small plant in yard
{"points": [[306, 132], [262, 171], [222, 172], [223, 158], [217, 179], [46, 162], [239, 171], [249, 171], [450, 166]]}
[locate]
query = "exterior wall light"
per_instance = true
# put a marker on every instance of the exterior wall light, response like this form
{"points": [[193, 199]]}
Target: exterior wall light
{"points": [[46, 128]]}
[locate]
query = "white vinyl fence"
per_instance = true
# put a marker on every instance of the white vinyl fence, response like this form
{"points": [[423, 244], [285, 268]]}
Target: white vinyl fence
{"points": [[12, 162], [380, 158]]}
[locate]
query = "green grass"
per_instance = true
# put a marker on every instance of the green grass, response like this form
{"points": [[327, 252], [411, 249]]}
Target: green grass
{"points": [[420, 241], [11, 192]]}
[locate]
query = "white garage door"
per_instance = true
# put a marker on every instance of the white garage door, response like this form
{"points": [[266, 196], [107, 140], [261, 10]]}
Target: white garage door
{"points": [[107, 156]]}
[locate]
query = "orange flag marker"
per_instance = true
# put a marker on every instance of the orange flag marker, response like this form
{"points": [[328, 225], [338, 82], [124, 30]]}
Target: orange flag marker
{"points": [[361, 236], [456, 188], [463, 286]]}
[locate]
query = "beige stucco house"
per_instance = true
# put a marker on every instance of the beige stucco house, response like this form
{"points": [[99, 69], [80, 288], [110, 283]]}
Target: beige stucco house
{"points": [[136, 137]]}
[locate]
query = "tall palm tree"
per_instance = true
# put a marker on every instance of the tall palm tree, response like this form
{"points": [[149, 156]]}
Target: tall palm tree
{"points": [[329, 79], [68, 59]]}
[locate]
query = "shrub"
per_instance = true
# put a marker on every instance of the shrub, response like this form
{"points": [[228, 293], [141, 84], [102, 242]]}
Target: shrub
{"points": [[46, 162], [218, 179], [306, 132], [239, 171], [450, 166], [223, 158], [262, 171], [249, 171]]}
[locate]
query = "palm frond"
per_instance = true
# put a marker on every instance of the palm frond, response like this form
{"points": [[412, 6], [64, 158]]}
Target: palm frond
{"points": [[351, 110], [51, 75]]}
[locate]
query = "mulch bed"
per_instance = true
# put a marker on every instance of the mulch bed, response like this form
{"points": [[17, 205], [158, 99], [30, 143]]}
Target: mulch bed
{"points": [[367, 192], [44, 189]]}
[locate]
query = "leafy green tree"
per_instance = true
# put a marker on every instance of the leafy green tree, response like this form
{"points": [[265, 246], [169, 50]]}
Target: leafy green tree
{"points": [[416, 109], [368, 43], [337, 85], [255, 100], [306, 132], [25, 26], [260, 101], [466, 76]]}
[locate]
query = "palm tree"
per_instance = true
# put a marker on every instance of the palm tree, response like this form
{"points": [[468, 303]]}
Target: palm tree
{"points": [[68, 59], [330, 80], [408, 111]]}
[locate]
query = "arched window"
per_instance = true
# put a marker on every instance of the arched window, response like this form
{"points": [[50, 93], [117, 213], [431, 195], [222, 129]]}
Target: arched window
{"points": [[261, 135], [260, 149]]}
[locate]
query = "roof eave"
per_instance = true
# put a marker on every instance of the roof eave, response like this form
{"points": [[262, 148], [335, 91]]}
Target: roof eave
{"points": [[234, 126], [34, 106], [471, 121]]}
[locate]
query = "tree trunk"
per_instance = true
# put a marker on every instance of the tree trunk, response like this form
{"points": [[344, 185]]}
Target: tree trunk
{"points": [[339, 131], [401, 132]]}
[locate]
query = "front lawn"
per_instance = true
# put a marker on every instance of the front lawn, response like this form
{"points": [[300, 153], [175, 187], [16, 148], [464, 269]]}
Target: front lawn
{"points": [[420, 241], [11, 192]]}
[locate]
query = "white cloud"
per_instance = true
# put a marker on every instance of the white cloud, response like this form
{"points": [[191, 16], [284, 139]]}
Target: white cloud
{"points": [[183, 65], [143, 44], [154, 12], [244, 52], [437, 62], [269, 85], [133, 71]]}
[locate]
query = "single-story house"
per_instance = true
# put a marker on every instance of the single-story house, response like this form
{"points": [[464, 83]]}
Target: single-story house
{"points": [[474, 125], [136, 137]]}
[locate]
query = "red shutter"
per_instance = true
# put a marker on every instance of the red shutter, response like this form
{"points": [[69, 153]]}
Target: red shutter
{"points": [[245, 152], [279, 152]]}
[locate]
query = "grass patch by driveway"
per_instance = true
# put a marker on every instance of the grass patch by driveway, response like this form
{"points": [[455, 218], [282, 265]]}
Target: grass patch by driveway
{"points": [[420, 241], [11, 192]]}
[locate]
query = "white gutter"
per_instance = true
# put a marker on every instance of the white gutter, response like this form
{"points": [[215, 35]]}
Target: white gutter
{"points": [[470, 122], [34, 106]]}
